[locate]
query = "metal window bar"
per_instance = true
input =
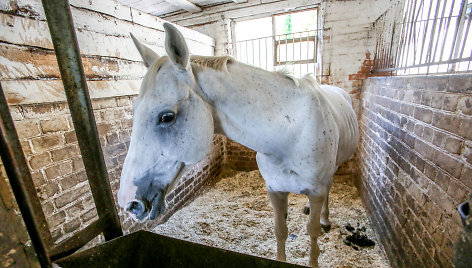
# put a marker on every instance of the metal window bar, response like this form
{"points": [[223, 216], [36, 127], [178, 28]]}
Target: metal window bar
{"points": [[293, 51], [423, 37], [62, 31]]}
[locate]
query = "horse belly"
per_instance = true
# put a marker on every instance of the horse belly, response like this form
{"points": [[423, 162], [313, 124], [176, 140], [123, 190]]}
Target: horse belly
{"points": [[348, 140], [284, 176], [346, 121], [281, 178]]}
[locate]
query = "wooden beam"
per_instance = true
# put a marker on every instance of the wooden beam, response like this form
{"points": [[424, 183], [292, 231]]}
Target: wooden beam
{"points": [[186, 5]]}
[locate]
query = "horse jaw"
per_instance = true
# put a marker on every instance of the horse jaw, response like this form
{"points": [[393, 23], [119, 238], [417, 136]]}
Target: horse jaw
{"points": [[142, 191]]}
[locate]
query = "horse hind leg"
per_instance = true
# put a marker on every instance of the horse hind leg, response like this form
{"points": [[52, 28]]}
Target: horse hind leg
{"points": [[314, 226], [279, 202], [324, 219]]}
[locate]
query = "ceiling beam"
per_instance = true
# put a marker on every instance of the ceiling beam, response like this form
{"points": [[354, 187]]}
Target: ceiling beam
{"points": [[186, 5]]}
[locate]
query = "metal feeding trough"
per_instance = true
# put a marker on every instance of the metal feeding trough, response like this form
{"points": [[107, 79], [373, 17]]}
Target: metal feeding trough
{"points": [[146, 249], [140, 249]]}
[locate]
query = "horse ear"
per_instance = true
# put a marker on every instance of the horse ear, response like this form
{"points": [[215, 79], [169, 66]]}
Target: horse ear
{"points": [[148, 55], [176, 47]]}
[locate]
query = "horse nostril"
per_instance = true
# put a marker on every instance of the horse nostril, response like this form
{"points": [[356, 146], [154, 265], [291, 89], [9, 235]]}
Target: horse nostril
{"points": [[136, 207]]}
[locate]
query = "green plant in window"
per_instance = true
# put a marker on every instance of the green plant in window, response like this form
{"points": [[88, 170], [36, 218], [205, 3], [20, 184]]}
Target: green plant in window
{"points": [[288, 26]]}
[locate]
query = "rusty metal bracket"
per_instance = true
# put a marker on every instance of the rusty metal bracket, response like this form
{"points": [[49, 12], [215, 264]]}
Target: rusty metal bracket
{"points": [[63, 36], [62, 31], [22, 184]]}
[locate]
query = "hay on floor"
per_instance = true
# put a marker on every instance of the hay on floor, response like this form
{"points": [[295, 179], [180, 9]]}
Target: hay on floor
{"points": [[235, 214]]}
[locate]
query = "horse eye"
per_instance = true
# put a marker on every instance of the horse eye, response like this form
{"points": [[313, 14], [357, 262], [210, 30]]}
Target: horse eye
{"points": [[166, 117]]}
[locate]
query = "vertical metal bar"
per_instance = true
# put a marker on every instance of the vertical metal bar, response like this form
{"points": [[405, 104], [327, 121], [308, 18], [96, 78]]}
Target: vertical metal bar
{"points": [[404, 33], [382, 40], [439, 31], [300, 42], [426, 28], [238, 47], [409, 33], [247, 54], [293, 54], [416, 39], [468, 65], [457, 34], [390, 50], [22, 184], [63, 36], [276, 51], [461, 54], [446, 30], [259, 51], [286, 50], [308, 52], [315, 50], [267, 54], [253, 52]]}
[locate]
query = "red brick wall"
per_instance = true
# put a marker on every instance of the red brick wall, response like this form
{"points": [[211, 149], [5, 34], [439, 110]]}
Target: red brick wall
{"points": [[239, 157], [416, 163]]}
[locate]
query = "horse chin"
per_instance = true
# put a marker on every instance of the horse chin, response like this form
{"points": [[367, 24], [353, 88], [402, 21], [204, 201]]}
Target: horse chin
{"points": [[141, 219], [158, 208], [158, 203]]}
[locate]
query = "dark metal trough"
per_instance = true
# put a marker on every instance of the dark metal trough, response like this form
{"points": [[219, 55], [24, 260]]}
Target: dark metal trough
{"points": [[146, 249]]}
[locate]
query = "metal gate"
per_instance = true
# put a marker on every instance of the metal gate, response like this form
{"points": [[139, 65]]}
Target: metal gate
{"points": [[298, 53], [425, 36]]}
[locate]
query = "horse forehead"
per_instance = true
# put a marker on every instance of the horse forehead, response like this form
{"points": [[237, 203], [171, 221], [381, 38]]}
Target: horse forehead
{"points": [[166, 89]]}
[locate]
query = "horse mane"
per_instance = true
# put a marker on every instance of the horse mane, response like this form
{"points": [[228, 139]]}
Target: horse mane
{"points": [[286, 74], [218, 63]]}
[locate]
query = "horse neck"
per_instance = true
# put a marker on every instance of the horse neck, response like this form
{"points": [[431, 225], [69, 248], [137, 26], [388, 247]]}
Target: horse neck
{"points": [[246, 102]]}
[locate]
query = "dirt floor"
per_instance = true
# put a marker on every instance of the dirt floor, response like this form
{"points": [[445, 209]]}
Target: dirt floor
{"points": [[235, 214]]}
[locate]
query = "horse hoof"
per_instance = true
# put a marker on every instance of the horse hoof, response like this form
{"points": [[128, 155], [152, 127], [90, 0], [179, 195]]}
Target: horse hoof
{"points": [[306, 210], [326, 228]]}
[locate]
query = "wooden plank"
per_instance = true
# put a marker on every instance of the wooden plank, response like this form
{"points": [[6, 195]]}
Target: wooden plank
{"points": [[159, 10], [103, 17], [232, 11], [22, 63], [154, 22], [109, 7], [30, 32], [43, 91], [185, 5]]}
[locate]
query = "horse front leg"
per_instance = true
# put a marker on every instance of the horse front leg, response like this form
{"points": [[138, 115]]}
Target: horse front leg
{"points": [[279, 202], [314, 225]]}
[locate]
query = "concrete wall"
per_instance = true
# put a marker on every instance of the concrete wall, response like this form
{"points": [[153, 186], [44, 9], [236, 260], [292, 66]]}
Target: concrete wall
{"points": [[416, 164], [31, 81]]}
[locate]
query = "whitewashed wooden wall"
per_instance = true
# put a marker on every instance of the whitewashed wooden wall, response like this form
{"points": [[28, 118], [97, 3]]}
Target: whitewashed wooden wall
{"points": [[28, 69]]}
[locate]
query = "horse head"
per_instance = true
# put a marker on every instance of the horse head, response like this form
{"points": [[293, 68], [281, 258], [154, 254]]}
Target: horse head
{"points": [[172, 129]]}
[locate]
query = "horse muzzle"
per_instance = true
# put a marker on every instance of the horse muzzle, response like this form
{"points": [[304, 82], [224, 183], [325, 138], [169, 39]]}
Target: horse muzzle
{"points": [[143, 209]]}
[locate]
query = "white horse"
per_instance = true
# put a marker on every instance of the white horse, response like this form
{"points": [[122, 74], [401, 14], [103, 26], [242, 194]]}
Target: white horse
{"points": [[301, 132]]}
